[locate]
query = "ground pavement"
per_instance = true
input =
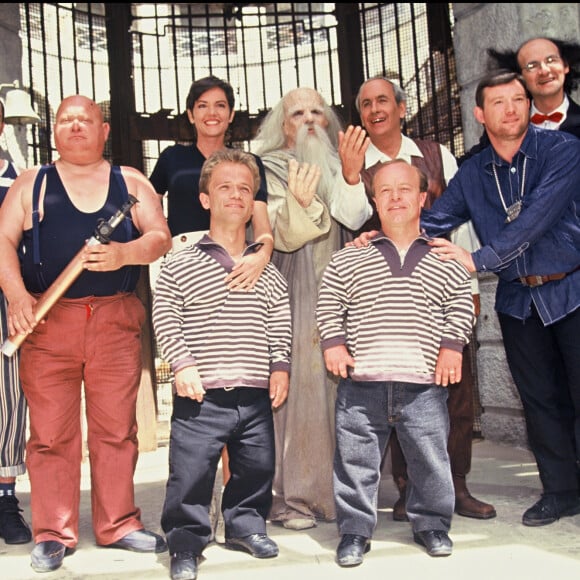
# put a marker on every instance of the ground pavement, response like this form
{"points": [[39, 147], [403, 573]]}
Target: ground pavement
{"points": [[497, 549]]}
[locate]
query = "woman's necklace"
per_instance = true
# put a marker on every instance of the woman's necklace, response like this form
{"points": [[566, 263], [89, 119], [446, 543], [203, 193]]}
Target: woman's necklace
{"points": [[513, 211]]}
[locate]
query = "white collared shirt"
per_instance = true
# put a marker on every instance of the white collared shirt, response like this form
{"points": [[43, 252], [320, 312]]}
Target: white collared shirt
{"points": [[409, 149], [563, 108]]}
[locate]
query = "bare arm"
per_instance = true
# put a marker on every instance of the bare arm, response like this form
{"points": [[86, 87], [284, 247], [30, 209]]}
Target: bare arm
{"points": [[148, 217], [15, 217]]}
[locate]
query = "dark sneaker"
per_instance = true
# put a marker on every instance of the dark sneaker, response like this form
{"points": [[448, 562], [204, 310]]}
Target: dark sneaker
{"points": [[549, 509], [13, 528]]}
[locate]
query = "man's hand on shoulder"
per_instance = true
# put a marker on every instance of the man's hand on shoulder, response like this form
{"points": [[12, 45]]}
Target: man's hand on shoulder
{"points": [[363, 240], [449, 251]]}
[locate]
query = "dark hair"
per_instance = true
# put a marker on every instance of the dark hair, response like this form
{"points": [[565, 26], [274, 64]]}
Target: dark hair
{"points": [[205, 84], [2, 110], [569, 53], [228, 155], [495, 79]]}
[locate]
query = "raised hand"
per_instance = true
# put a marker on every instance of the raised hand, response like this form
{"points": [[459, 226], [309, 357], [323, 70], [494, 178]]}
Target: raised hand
{"points": [[352, 146], [303, 181]]}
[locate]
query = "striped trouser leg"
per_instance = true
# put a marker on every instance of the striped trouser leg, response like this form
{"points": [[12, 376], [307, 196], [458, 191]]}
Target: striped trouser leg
{"points": [[12, 408]]}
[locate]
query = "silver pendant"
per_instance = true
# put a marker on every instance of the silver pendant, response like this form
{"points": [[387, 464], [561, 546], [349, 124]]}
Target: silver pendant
{"points": [[513, 211]]}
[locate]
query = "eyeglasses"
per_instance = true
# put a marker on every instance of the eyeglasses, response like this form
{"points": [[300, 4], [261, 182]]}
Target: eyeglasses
{"points": [[535, 65]]}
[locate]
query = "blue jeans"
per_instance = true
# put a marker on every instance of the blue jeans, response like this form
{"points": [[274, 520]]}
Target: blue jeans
{"points": [[366, 413], [242, 419]]}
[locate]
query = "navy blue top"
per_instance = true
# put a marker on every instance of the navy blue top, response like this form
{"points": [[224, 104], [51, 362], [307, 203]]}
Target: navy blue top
{"points": [[177, 172], [63, 231], [544, 239]]}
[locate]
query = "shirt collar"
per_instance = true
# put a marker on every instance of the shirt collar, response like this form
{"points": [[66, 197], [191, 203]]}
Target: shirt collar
{"points": [[529, 148], [563, 108], [408, 149]]}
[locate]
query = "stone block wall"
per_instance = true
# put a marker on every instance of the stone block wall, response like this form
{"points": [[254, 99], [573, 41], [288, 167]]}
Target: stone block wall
{"points": [[479, 26]]}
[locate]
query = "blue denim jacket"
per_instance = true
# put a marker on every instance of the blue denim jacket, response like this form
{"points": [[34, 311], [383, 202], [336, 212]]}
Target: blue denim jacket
{"points": [[543, 239]]}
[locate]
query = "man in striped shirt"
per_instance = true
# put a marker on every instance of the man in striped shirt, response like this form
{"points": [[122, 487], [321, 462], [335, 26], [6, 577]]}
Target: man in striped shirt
{"points": [[13, 411], [229, 350], [394, 319]]}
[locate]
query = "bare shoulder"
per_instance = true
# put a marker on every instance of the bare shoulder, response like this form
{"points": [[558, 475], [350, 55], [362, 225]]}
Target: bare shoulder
{"points": [[137, 183], [22, 187]]}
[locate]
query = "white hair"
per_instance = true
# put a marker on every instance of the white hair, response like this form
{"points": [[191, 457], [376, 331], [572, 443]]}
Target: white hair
{"points": [[270, 136]]}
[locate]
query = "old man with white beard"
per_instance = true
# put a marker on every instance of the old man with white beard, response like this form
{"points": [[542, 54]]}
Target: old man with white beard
{"points": [[297, 143]]}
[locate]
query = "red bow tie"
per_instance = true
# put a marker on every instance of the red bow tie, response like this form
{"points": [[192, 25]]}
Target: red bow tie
{"points": [[539, 118]]}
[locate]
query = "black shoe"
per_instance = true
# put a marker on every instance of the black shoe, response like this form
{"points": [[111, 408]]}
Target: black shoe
{"points": [[48, 556], [351, 550], [258, 545], [13, 528], [437, 542], [141, 541], [549, 509], [400, 511], [183, 566]]}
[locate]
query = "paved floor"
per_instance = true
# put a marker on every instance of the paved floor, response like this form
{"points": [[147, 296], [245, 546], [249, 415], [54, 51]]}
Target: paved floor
{"points": [[498, 549]]}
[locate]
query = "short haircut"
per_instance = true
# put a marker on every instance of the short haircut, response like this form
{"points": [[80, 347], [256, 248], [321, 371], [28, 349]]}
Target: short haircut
{"points": [[400, 95], [423, 179], [495, 79], [228, 155]]}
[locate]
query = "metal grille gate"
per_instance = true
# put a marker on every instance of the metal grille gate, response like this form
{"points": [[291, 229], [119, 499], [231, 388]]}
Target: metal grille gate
{"points": [[138, 60]]}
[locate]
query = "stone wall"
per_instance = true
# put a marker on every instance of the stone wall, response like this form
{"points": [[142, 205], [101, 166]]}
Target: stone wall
{"points": [[13, 141], [502, 26]]}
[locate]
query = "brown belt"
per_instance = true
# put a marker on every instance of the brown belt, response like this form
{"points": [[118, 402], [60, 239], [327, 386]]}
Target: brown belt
{"points": [[539, 280]]}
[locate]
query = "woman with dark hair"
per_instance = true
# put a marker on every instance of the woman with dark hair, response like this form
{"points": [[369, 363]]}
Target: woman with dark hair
{"points": [[210, 109]]}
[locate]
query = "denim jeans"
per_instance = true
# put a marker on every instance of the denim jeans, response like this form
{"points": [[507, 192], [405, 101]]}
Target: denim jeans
{"points": [[242, 419], [366, 413]]}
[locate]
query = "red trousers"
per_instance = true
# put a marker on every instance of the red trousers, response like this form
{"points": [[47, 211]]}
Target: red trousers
{"points": [[461, 418], [93, 342]]}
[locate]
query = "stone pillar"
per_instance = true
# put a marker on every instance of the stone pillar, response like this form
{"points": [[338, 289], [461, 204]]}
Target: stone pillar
{"points": [[502, 26]]}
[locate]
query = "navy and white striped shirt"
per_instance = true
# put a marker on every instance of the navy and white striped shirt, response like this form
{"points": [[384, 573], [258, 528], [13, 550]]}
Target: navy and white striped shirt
{"points": [[394, 317], [234, 338]]}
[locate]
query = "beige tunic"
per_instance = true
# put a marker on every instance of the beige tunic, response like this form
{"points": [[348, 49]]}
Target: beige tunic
{"points": [[304, 426]]}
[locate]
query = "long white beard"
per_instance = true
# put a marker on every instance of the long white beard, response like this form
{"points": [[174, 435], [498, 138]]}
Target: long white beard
{"points": [[316, 148]]}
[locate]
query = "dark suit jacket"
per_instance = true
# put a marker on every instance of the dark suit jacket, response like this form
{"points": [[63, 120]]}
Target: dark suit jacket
{"points": [[572, 122]]}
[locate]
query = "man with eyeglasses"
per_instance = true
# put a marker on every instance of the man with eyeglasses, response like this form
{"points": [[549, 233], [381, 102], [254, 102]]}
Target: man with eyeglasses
{"points": [[550, 68], [551, 71]]}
